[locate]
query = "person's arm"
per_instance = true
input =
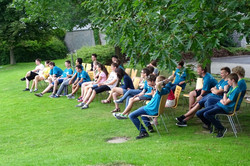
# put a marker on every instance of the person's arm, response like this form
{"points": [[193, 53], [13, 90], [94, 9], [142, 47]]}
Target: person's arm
{"points": [[81, 80], [72, 79], [225, 100], [198, 98], [112, 82], [99, 79]]}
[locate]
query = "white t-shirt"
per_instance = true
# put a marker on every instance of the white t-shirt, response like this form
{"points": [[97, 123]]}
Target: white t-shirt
{"points": [[112, 77], [40, 69]]}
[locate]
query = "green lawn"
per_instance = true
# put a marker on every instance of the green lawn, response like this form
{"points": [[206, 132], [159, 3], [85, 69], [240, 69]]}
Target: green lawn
{"points": [[44, 131]]}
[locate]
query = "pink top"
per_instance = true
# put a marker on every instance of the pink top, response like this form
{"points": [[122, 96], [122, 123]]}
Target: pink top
{"points": [[103, 77]]}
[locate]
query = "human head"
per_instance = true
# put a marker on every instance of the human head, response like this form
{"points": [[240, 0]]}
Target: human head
{"points": [[93, 57], [79, 61], [114, 66], [120, 73], [201, 70], [151, 69], [233, 77], [114, 58], [67, 63], [239, 70], [47, 62], [160, 78], [151, 80], [78, 68], [224, 72], [180, 64], [38, 61], [153, 63], [145, 72], [51, 65]]}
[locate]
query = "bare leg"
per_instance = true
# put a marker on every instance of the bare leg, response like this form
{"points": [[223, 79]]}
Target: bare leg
{"points": [[192, 97], [193, 110], [27, 74], [55, 86], [47, 89], [130, 105], [76, 87], [117, 92], [92, 97], [87, 95]]}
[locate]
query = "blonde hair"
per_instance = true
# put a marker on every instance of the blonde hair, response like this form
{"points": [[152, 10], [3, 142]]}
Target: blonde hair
{"points": [[239, 70], [160, 78]]}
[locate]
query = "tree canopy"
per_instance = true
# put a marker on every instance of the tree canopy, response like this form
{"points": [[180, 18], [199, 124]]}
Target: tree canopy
{"points": [[152, 29]]}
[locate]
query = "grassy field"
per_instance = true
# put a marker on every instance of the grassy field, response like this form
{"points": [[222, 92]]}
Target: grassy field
{"points": [[45, 131]]}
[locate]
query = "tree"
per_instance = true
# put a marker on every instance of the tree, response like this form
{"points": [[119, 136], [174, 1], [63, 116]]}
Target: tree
{"points": [[164, 29], [13, 30]]}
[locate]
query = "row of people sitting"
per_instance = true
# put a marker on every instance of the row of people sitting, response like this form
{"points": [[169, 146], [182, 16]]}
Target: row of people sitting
{"points": [[211, 96]]}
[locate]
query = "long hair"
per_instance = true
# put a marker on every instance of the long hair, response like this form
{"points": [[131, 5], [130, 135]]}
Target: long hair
{"points": [[103, 68]]}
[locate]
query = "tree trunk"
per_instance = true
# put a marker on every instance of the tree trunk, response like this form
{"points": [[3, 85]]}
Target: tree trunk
{"points": [[209, 67], [12, 56], [119, 54]]}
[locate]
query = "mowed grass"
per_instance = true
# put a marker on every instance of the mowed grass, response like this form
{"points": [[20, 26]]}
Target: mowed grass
{"points": [[45, 131]]}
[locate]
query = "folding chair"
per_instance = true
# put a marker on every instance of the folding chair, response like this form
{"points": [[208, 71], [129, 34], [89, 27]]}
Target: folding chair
{"points": [[177, 93], [199, 85], [91, 75], [84, 66], [127, 70], [133, 73], [136, 82], [88, 67], [108, 68], [230, 117], [160, 112]]}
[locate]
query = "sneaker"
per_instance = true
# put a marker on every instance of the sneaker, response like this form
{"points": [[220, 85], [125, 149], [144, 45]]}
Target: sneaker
{"points": [[79, 98], [118, 101], [182, 124], [71, 96], [120, 116], [85, 106], [79, 101], [180, 118], [52, 95], [39, 94], [23, 79], [80, 105], [142, 135], [56, 96], [150, 129], [35, 90], [116, 115], [221, 133], [26, 89], [31, 91]]}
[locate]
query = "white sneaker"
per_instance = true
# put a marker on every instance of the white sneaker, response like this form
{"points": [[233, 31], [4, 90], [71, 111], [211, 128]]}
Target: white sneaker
{"points": [[31, 91]]}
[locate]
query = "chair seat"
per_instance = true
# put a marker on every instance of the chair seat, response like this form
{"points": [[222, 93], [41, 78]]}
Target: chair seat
{"points": [[155, 116], [186, 95]]}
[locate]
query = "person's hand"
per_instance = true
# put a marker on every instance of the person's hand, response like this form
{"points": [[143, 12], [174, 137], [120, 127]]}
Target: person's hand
{"points": [[198, 98], [222, 101]]}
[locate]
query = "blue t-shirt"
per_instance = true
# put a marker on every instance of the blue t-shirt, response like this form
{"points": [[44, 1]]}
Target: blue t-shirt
{"points": [[243, 87], [233, 94], [147, 88], [127, 83], [208, 82], [220, 85], [180, 75], [85, 76], [67, 71], [56, 71], [152, 107]]}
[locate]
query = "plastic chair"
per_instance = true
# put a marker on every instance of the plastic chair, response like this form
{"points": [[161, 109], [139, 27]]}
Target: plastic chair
{"points": [[160, 112], [84, 66], [177, 93], [133, 73], [108, 68], [136, 82], [128, 70], [88, 67], [230, 116], [91, 75]]}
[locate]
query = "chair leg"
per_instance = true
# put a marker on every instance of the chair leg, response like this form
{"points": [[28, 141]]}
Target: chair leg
{"points": [[232, 125], [238, 121], [155, 126], [164, 124]]}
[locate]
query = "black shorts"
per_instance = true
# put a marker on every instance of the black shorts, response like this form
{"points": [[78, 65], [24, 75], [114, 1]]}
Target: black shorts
{"points": [[198, 92], [32, 76], [101, 89]]}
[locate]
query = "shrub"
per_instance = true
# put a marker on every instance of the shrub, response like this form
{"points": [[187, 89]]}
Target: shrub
{"points": [[104, 53]]}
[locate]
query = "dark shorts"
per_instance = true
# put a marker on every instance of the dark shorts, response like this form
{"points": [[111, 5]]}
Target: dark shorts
{"points": [[59, 81], [198, 92], [101, 89], [32, 75], [144, 97]]}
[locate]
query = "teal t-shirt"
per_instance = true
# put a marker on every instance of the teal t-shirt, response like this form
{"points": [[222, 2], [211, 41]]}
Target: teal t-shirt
{"points": [[243, 87], [148, 89], [67, 71], [208, 82], [85, 76], [56, 71], [152, 107], [180, 75], [232, 95], [220, 85]]}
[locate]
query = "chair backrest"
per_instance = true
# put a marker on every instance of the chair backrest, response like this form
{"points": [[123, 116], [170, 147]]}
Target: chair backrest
{"points": [[133, 73], [136, 82], [162, 104], [84, 66], [91, 75], [199, 83], [177, 93], [174, 77], [127, 70], [88, 66], [108, 68], [236, 103]]}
